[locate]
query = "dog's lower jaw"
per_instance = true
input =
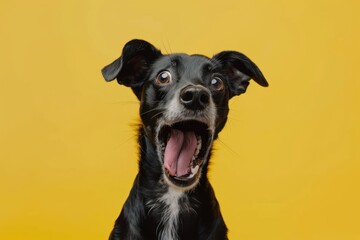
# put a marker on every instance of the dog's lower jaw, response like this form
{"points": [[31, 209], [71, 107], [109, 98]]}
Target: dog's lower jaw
{"points": [[180, 188]]}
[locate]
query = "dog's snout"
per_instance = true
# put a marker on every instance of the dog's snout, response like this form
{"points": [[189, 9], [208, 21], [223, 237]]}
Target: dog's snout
{"points": [[194, 97]]}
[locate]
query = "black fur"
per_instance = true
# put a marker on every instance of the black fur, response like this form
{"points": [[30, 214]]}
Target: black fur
{"points": [[138, 67]]}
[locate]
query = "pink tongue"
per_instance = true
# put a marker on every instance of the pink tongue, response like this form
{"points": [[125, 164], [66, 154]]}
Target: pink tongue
{"points": [[179, 151]]}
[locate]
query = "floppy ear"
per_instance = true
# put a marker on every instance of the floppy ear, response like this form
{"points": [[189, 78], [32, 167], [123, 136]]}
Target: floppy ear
{"points": [[239, 69], [131, 67]]}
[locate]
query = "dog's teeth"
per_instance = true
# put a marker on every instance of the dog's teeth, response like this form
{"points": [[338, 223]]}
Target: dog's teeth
{"points": [[198, 147], [194, 171]]}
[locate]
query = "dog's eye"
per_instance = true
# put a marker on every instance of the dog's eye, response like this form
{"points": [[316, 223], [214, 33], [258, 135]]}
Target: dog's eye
{"points": [[217, 84], [163, 78]]}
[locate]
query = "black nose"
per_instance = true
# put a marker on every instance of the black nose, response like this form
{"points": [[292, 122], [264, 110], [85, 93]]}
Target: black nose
{"points": [[194, 97]]}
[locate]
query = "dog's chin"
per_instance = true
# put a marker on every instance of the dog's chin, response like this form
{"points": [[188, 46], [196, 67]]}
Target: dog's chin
{"points": [[183, 147]]}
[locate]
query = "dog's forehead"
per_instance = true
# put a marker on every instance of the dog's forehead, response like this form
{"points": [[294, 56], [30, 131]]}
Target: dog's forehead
{"points": [[183, 62]]}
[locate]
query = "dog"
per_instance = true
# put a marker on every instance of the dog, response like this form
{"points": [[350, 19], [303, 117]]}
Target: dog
{"points": [[183, 107]]}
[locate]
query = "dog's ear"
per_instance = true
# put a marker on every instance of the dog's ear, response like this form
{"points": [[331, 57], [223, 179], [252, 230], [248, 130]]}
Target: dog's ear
{"points": [[131, 67], [239, 69]]}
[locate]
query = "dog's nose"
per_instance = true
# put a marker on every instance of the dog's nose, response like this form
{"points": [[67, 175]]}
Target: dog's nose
{"points": [[194, 97]]}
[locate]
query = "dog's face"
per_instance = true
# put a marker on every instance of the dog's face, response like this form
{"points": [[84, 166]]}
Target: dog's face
{"points": [[183, 101]]}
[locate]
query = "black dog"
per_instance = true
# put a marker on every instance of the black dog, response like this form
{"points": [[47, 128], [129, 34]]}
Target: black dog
{"points": [[183, 107]]}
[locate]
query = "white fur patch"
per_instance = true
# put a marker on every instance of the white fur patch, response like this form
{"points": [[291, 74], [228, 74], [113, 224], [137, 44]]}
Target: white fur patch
{"points": [[170, 218]]}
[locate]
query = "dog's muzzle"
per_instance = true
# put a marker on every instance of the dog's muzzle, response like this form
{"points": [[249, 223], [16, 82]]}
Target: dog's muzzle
{"points": [[184, 135]]}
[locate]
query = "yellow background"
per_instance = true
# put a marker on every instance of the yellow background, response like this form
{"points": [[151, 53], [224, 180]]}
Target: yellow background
{"points": [[286, 165]]}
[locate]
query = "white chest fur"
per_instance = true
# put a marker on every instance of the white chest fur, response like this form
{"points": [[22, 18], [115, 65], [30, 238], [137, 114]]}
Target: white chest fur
{"points": [[170, 215]]}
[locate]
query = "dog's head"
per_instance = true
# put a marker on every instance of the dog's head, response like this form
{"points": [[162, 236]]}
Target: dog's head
{"points": [[183, 101]]}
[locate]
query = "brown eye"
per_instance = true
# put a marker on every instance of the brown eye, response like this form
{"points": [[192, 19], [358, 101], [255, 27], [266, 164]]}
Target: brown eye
{"points": [[163, 78], [217, 84]]}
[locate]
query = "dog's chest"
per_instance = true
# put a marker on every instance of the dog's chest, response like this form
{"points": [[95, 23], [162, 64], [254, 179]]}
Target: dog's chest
{"points": [[167, 213]]}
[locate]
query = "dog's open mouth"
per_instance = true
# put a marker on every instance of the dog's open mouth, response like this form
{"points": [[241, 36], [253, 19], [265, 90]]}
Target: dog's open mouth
{"points": [[184, 146]]}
